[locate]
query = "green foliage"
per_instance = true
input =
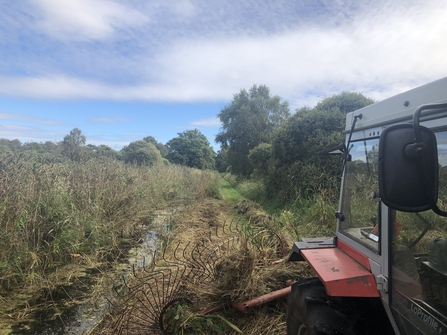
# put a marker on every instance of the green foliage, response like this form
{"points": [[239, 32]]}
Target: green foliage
{"points": [[345, 102], [160, 146], [311, 217], [72, 144], [260, 157], [248, 121], [50, 214], [191, 148], [297, 169], [182, 319], [253, 190], [222, 163], [106, 151], [141, 153]]}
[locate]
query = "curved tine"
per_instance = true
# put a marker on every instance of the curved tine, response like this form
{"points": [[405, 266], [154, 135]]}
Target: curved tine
{"points": [[111, 303], [181, 260], [234, 226], [171, 287], [217, 232], [177, 283], [256, 234], [199, 251], [124, 281], [118, 322], [202, 265], [158, 300], [219, 247], [210, 238], [155, 275], [150, 267], [185, 258]]}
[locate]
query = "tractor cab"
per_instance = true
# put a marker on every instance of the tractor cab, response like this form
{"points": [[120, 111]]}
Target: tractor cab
{"points": [[391, 240]]}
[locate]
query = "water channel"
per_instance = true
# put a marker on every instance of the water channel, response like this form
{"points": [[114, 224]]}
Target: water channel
{"points": [[78, 309]]}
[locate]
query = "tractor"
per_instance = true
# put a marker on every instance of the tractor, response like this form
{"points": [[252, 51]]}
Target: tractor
{"points": [[385, 270]]}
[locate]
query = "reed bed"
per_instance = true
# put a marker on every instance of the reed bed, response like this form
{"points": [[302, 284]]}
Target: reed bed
{"points": [[52, 215]]}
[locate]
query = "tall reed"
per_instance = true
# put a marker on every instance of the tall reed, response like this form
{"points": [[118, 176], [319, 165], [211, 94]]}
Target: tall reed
{"points": [[50, 214]]}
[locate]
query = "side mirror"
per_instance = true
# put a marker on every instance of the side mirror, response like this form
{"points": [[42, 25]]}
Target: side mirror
{"points": [[408, 169]]}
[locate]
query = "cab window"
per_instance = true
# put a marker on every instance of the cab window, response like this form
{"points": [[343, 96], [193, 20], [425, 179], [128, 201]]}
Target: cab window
{"points": [[360, 202]]}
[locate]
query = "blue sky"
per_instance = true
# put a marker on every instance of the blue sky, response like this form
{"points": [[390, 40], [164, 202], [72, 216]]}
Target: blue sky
{"points": [[125, 69]]}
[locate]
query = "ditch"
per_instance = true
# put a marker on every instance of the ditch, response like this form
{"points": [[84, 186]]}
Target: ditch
{"points": [[78, 307]]}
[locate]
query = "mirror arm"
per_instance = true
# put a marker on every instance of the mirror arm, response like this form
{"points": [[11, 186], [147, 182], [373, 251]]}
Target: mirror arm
{"points": [[416, 149], [346, 154], [417, 116]]}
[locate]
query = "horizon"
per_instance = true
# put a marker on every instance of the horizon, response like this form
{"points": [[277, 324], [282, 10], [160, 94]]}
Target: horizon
{"points": [[122, 70]]}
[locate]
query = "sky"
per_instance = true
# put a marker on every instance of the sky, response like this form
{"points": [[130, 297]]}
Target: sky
{"points": [[121, 70]]}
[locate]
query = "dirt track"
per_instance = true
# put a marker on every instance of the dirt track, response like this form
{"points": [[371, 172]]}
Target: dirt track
{"points": [[218, 264]]}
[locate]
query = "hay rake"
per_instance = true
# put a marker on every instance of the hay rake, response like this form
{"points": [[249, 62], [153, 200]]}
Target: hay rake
{"points": [[175, 276]]}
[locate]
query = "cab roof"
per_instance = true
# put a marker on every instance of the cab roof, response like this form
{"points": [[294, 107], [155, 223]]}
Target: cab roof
{"points": [[399, 107]]}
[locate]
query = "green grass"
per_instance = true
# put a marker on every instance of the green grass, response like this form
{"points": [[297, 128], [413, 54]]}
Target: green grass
{"points": [[227, 192]]}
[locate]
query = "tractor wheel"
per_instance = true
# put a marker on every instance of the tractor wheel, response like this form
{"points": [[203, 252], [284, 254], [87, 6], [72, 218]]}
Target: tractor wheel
{"points": [[312, 312]]}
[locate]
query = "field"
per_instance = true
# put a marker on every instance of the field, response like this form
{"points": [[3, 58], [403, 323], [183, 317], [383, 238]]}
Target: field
{"points": [[66, 228]]}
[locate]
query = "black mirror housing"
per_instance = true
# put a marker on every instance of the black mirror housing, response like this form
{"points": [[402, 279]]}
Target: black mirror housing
{"points": [[408, 170]]}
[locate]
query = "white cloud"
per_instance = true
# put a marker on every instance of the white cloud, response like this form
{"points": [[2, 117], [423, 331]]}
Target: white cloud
{"points": [[17, 117], [29, 133], [86, 19], [212, 122], [380, 51]]}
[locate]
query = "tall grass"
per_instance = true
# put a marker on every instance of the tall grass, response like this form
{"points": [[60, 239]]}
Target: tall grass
{"points": [[50, 214], [312, 216]]}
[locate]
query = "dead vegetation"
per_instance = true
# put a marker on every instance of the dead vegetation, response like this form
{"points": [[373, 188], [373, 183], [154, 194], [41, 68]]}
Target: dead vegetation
{"points": [[214, 255]]}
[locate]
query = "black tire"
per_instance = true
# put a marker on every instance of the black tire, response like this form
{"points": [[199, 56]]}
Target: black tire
{"points": [[311, 311]]}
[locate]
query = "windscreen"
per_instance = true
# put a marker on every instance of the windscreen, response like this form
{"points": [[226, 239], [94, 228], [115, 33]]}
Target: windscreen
{"points": [[360, 202]]}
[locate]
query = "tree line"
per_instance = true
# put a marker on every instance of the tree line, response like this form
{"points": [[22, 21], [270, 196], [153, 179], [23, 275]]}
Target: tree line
{"points": [[190, 148], [260, 140]]}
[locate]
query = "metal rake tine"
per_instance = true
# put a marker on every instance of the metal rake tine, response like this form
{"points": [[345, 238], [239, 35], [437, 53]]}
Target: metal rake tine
{"points": [[170, 261], [200, 252], [156, 296], [186, 260], [196, 262], [119, 322], [124, 281], [149, 312], [175, 289], [111, 303], [232, 226], [181, 260]]}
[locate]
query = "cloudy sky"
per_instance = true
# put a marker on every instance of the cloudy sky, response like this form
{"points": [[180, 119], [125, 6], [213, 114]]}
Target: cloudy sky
{"points": [[121, 70]]}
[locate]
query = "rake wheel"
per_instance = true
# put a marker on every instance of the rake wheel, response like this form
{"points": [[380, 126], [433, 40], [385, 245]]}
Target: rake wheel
{"points": [[180, 275], [164, 321]]}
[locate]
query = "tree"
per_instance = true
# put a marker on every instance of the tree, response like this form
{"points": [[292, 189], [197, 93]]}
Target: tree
{"points": [[105, 151], [72, 144], [141, 153], [160, 146], [248, 121], [260, 157], [191, 148], [297, 168]]}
